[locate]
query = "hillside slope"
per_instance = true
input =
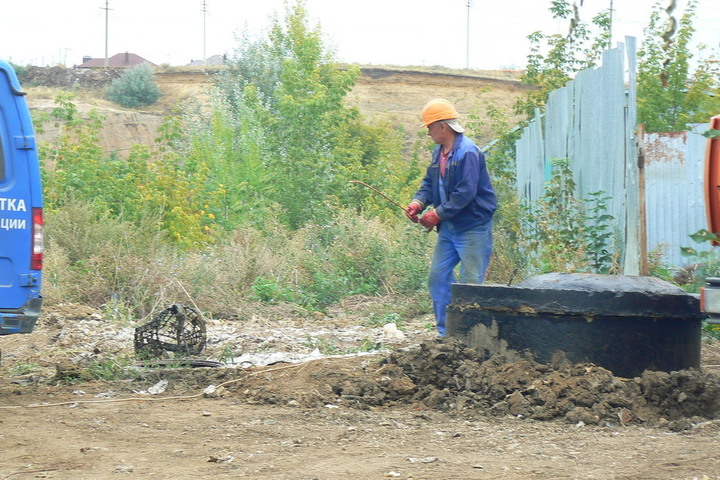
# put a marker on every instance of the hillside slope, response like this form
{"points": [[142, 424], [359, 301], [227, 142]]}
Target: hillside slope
{"points": [[394, 93]]}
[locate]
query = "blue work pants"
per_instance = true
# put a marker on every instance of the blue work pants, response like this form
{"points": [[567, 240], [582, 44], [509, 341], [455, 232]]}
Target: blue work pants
{"points": [[471, 249]]}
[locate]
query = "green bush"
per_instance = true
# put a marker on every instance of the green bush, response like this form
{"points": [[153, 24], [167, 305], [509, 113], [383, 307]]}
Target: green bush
{"points": [[134, 88], [20, 71]]}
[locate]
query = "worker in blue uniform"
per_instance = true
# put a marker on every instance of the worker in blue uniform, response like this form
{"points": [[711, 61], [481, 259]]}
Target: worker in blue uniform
{"points": [[457, 185]]}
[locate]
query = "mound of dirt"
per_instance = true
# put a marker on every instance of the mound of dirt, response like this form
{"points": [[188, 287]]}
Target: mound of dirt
{"points": [[445, 375], [449, 375], [60, 76]]}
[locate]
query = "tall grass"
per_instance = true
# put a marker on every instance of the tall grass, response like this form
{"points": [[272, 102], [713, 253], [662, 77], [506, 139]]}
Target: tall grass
{"points": [[105, 262]]}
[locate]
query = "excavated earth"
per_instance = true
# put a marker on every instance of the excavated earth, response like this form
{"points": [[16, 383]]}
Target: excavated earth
{"points": [[386, 404]]}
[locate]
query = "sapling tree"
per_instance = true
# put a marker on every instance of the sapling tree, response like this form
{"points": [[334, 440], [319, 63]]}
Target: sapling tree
{"points": [[674, 88], [555, 58]]}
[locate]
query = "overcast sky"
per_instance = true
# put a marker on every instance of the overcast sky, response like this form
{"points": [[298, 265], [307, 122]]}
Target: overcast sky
{"points": [[397, 32]]}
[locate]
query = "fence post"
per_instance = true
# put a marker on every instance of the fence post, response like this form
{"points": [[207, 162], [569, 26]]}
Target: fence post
{"points": [[644, 270]]}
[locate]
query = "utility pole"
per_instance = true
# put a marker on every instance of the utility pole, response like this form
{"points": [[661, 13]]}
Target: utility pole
{"points": [[467, 48], [204, 10], [107, 10]]}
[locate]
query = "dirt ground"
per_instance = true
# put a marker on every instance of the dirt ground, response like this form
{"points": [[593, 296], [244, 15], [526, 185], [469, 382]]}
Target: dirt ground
{"points": [[389, 404]]}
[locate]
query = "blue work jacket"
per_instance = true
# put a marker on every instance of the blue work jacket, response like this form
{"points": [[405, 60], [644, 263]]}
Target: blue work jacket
{"points": [[469, 197]]}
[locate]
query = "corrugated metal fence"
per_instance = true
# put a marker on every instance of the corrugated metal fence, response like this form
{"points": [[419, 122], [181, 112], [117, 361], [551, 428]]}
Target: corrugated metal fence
{"points": [[591, 122], [674, 165]]}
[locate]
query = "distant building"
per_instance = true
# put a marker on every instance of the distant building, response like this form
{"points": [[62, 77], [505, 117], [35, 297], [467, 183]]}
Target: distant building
{"points": [[213, 61], [120, 60]]}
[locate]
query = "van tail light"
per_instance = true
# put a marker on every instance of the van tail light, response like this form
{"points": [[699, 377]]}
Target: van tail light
{"points": [[36, 260]]}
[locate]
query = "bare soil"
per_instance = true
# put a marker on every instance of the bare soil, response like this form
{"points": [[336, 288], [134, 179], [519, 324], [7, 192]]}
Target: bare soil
{"points": [[416, 407]]}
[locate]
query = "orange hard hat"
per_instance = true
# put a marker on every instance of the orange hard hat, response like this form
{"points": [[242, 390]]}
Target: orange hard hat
{"points": [[436, 110]]}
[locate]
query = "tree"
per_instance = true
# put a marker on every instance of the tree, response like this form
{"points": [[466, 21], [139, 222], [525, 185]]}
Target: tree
{"points": [[285, 99], [134, 88], [554, 59], [670, 94]]}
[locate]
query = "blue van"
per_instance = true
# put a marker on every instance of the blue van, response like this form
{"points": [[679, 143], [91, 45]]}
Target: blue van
{"points": [[21, 214]]}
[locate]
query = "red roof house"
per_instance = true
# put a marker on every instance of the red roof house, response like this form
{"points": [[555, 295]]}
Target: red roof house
{"points": [[119, 60]]}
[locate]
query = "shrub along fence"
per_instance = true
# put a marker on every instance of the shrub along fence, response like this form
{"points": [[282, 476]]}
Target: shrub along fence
{"points": [[591, 123]]}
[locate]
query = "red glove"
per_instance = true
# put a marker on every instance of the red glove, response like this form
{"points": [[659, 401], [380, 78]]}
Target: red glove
{"points": [[430, 220], [412, 210]]}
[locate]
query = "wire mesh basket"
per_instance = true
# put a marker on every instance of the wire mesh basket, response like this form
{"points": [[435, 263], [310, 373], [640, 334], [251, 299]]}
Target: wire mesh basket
{"points": [[178, 330]]}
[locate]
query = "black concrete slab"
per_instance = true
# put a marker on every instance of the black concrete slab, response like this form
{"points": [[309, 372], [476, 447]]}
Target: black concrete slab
{"points": [[623, 323], [584, 294]]}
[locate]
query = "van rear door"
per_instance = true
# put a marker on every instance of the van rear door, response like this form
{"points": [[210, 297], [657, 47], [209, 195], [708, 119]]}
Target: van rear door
{"points": [[20, 210]]}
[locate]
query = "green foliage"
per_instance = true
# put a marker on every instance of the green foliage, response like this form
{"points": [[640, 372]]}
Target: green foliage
{"points": [[598, 233], [247, 198], [285, 98], [20, 369], [559, 233], [72, 163], [556, 222], [20, 71], [92, 258], [566, 234], [285, 150], [656, 264], [270, 291], [323, 345], [109, 369], [255, 64], [711, 330], [554, 59], [134, 88], [670, 94], [227, 356], [701, 236], [357, 256], [150, 184], [706, 262], [500, 156], [376, 320], [131, 271]]}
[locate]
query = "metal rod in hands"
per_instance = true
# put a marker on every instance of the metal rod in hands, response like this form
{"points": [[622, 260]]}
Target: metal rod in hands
{"points": [[380, 193]]}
